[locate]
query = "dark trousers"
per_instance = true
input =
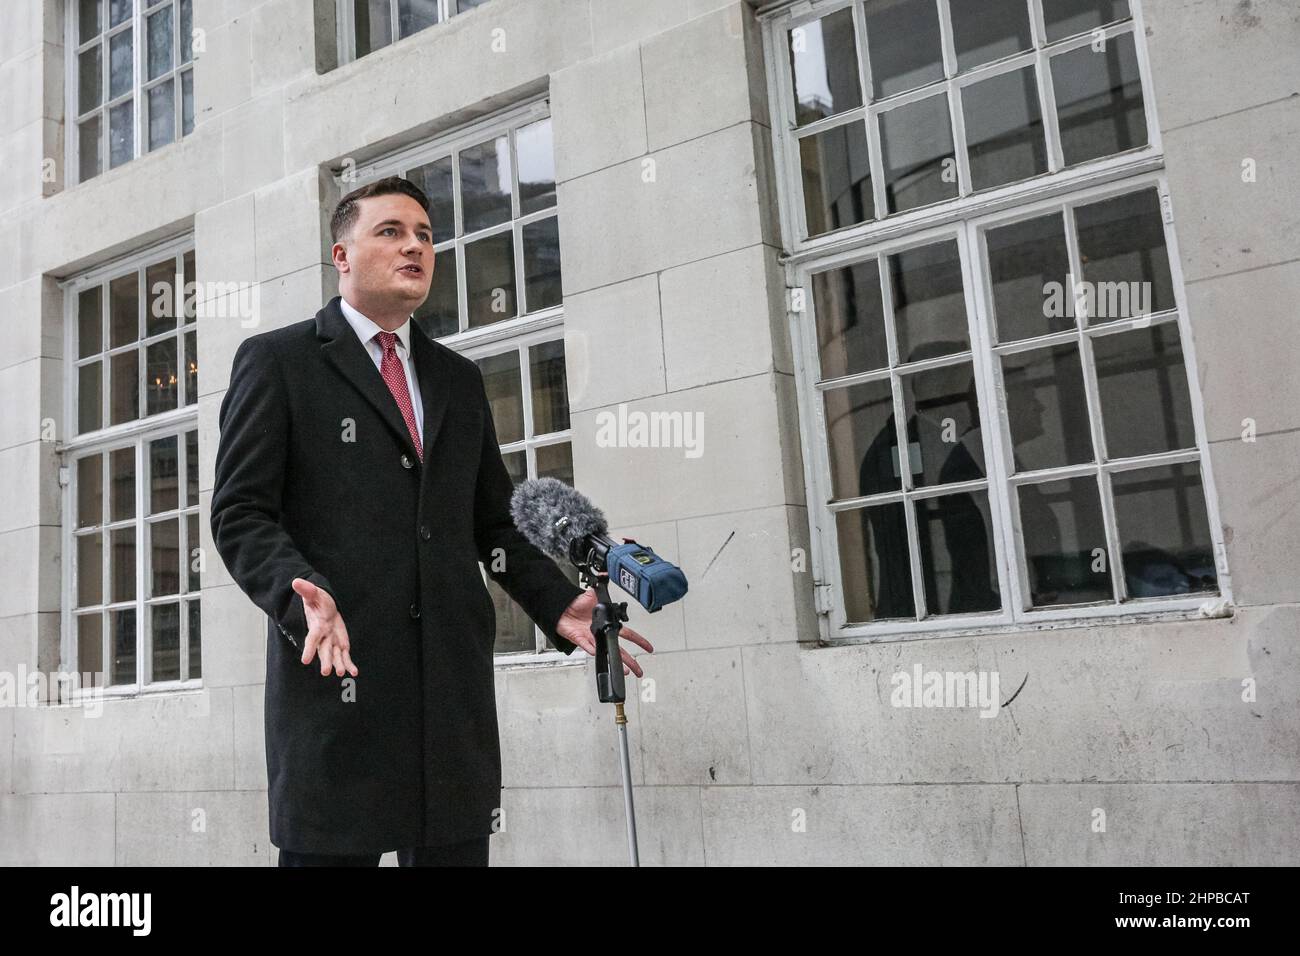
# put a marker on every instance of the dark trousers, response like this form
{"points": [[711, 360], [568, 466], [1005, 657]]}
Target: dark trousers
{"points": [[471, 852]]}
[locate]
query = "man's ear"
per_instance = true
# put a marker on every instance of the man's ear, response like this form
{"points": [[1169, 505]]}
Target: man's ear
{"points": [[339, 253]]}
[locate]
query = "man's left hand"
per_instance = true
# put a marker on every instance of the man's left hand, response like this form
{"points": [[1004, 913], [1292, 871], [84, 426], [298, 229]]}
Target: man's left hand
{"points": [[575, 625]]}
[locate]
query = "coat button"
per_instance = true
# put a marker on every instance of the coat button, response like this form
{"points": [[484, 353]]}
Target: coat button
{"points": [[425, 533], [406, 462], [415, 612]]}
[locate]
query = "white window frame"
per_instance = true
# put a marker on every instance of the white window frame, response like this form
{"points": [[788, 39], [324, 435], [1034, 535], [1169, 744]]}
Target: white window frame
{"points": [[138, 433], [347, 26], [516, 334], [965, 219], [140, 85]]}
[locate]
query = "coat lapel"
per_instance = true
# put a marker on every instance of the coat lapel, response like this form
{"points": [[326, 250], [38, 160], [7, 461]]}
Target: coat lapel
{"points": [[345, 352]]}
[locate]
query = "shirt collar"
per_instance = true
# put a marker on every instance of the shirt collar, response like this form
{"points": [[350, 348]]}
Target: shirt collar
{"points": [[366, 328]]}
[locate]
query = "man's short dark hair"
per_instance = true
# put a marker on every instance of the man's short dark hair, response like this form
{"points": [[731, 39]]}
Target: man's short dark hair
{"points": [[348, 210]]}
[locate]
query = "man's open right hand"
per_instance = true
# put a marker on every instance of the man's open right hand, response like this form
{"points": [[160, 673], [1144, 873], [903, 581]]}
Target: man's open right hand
{"points": [[326, 632]]}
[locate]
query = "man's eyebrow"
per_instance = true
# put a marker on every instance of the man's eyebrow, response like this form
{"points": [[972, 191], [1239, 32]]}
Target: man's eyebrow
{"points": [[397, 222]]}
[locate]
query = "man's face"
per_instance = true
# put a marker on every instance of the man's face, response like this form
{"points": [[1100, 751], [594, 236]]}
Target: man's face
{"points": [[387, 260]]}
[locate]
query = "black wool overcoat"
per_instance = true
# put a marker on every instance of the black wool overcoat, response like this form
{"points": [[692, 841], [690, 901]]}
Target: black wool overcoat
{"points": [[317, 477]]}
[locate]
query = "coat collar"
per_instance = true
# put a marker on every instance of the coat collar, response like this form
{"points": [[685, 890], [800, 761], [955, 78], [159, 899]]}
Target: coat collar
{"points": [[345, 352]]}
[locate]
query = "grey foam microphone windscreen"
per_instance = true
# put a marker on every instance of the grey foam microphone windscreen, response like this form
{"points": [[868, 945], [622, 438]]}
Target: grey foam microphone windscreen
{"points": [[539, 503]]}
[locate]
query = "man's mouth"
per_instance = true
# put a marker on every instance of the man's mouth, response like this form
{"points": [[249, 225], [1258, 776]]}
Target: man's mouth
{"points": [[412, 270]]}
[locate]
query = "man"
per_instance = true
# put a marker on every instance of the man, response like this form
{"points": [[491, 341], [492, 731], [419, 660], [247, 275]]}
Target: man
{"points": [[358, 483]]}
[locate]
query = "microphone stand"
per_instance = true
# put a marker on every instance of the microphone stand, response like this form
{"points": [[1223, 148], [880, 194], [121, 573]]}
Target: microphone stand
{"points": [[607, 619]]}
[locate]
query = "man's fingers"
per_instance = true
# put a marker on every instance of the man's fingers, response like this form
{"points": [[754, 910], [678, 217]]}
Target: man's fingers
{"points": [[636, 638], [338, 662], [630, 661], [310, 644], [347, 662], [325, 662]]}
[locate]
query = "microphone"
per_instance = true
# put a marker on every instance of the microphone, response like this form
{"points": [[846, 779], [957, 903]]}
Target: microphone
{"points": [[563, 523]]}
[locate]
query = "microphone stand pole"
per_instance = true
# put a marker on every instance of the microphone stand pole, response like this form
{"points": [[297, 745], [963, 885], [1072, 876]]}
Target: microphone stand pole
{"points": [[607, 619]]}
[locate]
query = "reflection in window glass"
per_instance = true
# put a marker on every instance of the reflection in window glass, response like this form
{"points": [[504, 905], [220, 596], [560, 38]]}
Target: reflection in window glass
{"points": [[916, 150], [166, 633], [1142, 383], [549, 387], [1065, 542], [1065, 18], [929, 303], [1099, 100], [836, 173], [943, 424], [485, 183], [899, 66], [875, 573], [415, 15], [1029, 272], [1004, 129], [824, 67], [490, 279], [860, 431], [1047, 410], [542, 263], [536, 161], [1164, 532], [987, 30], [850, 319], [504, 386], [1125, 264], [958, 564]]}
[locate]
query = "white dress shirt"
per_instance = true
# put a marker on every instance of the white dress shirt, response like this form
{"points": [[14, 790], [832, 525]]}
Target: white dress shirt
{"points": [[366, 331]]}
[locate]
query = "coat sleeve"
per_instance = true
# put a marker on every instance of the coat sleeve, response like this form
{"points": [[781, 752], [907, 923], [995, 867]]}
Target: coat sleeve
{"points": [[532, 579], [247, 495]]}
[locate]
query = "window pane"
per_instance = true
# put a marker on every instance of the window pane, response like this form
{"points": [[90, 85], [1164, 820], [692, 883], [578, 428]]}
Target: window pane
{"points": [[549, 387], [875, 573], [916, 146], [161, 377], [187, 31], [1065, 542], [90, 19], [944, 438], [1047, 411], [121, 67], [90, 647], [1142, 381], [187, 102], [124, 388], [824, 67], [123, 310], [191, 369], [192, 546], [374, 23], [536, 166], [90, 402], [162, 115], [166, 634], [186, 297], [121, 134], [556, 461], [89, 146], [90, 321], [163, 464], [90, 490], [439, 315], [958, 565], [160, 297], [986, 30], [490, 279], [435, 180], [836, 175], [516, 463], [1099, 100], [485, 183], [415, 15], [1004, 129], [121, 564], [1029, 271], [860, 432], [90, 569], [1065, 18], [90, 88], [505, 392], [192, 473], [1125, 264], [850, 319], [542, 264], [929, 305], [121, 477], [164, 557], [196, 644], [119, 10], [123, 640], [160, 42], [1163, 531], [514, 628], [903, 44]]}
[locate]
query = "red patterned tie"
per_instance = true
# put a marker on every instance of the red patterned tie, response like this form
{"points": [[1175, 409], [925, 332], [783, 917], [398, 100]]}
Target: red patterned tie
{"points": [[391, 369]]}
